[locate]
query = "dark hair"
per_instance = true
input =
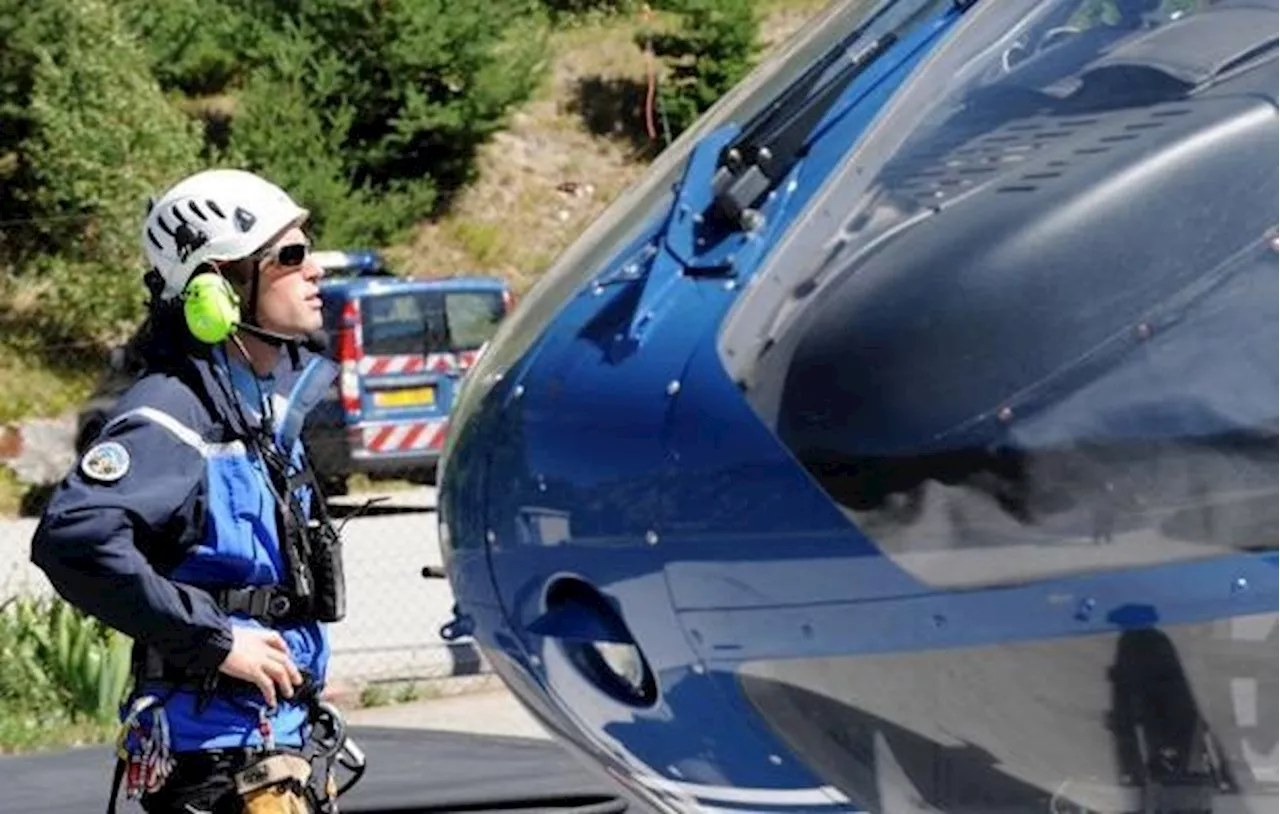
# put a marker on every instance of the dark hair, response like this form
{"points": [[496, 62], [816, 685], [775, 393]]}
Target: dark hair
{"points": [[163, 341]]}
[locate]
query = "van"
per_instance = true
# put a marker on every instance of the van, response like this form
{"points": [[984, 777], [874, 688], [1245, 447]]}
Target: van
{"points": [[404, 346]]}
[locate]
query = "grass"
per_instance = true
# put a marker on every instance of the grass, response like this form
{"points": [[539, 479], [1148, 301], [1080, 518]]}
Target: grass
{"points": [[33, 388], [12, 491], [385, 693], [24, 731], [565, 155]]}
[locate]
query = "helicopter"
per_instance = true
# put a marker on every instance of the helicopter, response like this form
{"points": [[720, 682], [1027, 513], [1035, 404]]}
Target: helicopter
{"points": [[906, 439]]}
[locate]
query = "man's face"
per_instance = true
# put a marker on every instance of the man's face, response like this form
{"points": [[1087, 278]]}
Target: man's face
{"points": [[289, 295]]}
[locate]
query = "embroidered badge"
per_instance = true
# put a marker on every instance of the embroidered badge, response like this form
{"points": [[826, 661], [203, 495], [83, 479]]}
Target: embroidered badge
{"points": [[106, 462]]}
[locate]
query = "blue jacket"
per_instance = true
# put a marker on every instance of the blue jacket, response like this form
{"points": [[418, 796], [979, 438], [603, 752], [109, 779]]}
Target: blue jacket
{"points": [[139, 534]]}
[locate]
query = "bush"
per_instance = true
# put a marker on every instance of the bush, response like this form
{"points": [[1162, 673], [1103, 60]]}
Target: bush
{"points": [[306, 156], [372, 131], [198, 47], [569, 8], [87, 135], [52, 657], [712, 50]]}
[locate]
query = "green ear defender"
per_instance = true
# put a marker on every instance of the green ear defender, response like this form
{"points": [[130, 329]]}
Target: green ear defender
{"points": [[211, 307]]}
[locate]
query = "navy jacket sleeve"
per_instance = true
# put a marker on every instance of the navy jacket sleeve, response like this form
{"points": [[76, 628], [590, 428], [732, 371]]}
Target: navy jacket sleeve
{"points": [[94, 532]]}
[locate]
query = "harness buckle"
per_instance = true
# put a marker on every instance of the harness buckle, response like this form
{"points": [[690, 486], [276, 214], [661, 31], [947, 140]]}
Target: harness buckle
{"points": [[278, 605], [266, 604]]}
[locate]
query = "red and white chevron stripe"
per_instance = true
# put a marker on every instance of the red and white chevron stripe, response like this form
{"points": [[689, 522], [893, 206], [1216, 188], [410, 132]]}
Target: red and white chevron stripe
{"points": [[417, 363], [405, 436]]}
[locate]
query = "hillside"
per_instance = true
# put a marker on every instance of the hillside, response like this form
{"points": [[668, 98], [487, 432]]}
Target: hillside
{"points": [[564, 156]]}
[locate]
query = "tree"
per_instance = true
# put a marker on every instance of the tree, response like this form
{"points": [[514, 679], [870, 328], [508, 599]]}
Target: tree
{"points": [[87, 136], [713, 49], [376, 129]]}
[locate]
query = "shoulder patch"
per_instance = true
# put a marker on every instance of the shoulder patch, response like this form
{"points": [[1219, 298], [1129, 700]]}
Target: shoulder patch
{"points": [[106, 462]]}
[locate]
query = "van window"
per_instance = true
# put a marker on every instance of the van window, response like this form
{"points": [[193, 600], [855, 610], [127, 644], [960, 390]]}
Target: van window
{"points": [[429, 321], [473, 317]]}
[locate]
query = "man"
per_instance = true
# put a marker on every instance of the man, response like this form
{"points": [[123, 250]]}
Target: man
{"points": [[190, 523]]}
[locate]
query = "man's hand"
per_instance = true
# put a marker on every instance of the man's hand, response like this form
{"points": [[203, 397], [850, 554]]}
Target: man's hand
{"points": [[261, 657]]}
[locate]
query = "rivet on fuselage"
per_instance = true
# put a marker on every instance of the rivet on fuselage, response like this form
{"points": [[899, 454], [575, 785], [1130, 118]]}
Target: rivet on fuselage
{"points": [[1239, 584], [1005, 414], [699, 669], [651, 537], [1085, 609], [1143, 330], [518, 390], [673, 387], [775, 760], [490, 536]]}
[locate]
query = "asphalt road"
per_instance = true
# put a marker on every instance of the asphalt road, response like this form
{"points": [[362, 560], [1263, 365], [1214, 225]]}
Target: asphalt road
{"points": [[393, 614], [409, 771]]}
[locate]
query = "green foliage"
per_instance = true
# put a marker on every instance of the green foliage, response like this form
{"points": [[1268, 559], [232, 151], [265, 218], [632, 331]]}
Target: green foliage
{"points": [[714, 48], [371, 131], [199, 47], [52, 657], [562, 9], [87, 136], [280, 130]]}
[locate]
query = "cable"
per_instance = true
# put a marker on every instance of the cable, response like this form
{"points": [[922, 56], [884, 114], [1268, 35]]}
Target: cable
{"points": [[651, 91]]}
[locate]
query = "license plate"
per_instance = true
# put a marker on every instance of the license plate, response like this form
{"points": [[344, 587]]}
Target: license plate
{"points": [[410, 397]]}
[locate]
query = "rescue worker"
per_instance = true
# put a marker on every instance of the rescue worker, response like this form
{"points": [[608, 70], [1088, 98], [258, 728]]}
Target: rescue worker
{"points": [[193, 523]]}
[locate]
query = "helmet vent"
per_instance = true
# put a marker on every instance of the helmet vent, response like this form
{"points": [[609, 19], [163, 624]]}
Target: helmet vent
{"points": [[215, 209], [154, 242], [195, 210], [244, 219]]}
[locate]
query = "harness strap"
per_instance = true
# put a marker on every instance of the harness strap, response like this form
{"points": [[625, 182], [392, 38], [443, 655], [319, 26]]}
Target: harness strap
{"points": [[269, 604], [117, 777]]}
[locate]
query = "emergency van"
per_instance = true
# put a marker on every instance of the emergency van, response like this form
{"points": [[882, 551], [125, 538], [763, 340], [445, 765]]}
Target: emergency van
{"points": [[404, 346]]}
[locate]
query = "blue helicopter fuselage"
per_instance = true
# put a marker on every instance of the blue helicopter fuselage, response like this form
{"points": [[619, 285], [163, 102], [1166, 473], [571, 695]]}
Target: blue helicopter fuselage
{"points": [[906, 441]]}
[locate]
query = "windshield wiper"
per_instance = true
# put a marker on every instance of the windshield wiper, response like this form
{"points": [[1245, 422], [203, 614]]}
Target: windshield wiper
{"points": [[774, 140]]}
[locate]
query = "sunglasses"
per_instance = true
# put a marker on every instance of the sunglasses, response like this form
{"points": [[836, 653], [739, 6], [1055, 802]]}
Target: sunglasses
{"points": [[289, 255]]}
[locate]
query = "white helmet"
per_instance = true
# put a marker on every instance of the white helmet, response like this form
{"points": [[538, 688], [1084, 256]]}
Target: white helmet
{"points": [[213, 215]]}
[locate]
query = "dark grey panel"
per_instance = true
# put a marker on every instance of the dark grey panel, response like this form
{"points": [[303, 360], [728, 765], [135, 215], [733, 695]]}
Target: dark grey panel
{"points": [[1181, 719]]}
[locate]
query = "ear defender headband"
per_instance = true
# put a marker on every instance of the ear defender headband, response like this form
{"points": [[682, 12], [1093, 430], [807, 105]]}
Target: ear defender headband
{"points": [[211, 308]]}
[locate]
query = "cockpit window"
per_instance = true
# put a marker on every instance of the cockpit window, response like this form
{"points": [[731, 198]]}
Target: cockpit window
{"points": [[1029, 327]]}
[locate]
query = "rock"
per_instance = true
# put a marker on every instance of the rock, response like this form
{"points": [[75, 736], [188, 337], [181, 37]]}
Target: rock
{"points": [[46, 450]]}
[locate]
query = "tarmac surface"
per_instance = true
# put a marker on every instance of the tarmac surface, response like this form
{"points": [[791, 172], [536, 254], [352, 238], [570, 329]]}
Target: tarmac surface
{"points": [[475, 753]]}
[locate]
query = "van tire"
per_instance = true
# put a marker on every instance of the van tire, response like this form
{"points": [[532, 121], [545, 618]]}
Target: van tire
{"points": [[424, 477], [333, 485]]}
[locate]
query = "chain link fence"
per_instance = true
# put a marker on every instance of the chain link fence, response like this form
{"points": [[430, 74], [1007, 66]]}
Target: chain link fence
{"points": [[391, 634]]}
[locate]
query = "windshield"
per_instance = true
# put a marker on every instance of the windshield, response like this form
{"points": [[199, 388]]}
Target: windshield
{"points": [[632, 216], [429, 321], [1029, 328]]}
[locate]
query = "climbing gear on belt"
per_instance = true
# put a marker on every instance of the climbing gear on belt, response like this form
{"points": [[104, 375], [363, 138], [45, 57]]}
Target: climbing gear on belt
{"points": [[274, 785], [144, 757], [328, 743]]}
